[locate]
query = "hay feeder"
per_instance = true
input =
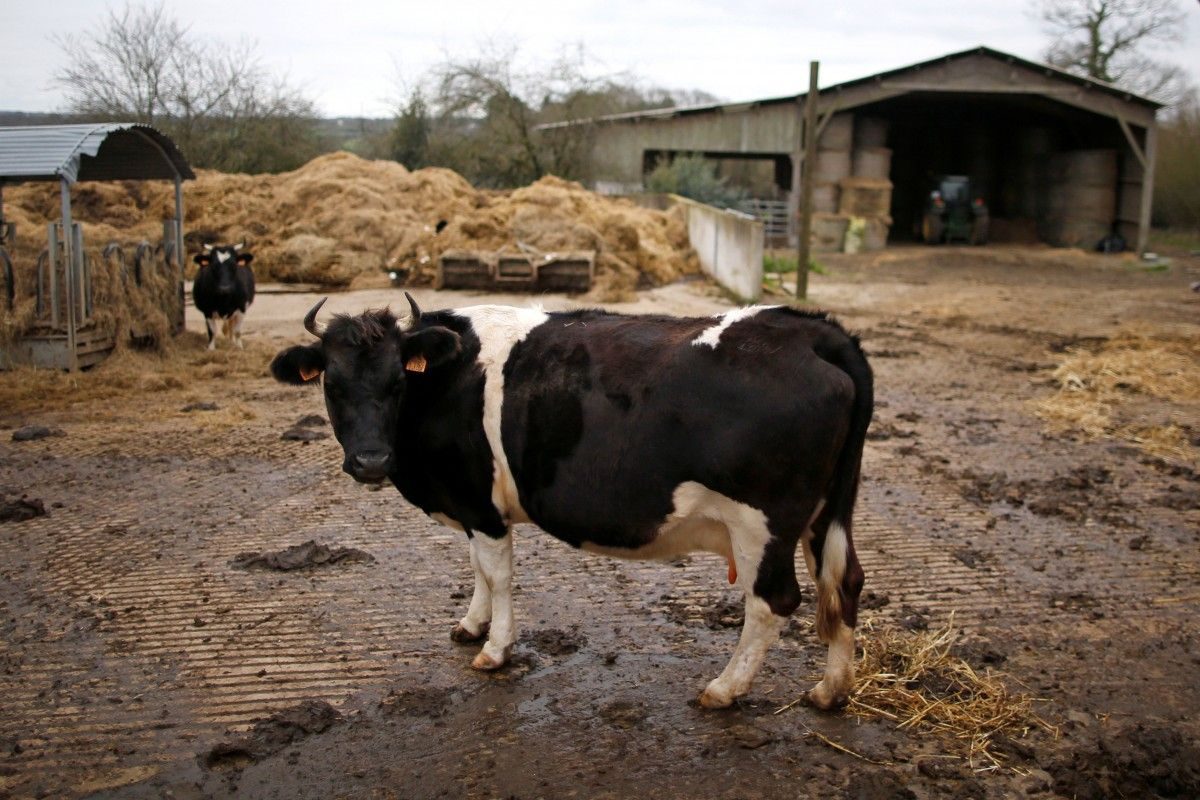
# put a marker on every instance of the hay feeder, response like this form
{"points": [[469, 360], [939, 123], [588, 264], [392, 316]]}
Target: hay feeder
{"points": [[65, 333]]}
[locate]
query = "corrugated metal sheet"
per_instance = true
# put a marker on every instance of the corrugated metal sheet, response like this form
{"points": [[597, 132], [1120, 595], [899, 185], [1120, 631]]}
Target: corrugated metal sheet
{"points": [[90, 152]]}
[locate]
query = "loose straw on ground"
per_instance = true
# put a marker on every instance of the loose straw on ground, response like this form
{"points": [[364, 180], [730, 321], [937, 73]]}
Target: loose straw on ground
{"points": [[1095, 386], [915, 681]]}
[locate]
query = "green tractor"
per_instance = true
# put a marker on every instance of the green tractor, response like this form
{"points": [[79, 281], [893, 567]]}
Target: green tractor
{"points": [[954, 213]]}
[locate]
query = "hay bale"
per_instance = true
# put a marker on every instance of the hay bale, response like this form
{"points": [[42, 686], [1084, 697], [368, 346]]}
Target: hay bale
{"points": [[866, 197], [838, 133], [872, 162], [828, 232], [871, 132], [831, 166]]}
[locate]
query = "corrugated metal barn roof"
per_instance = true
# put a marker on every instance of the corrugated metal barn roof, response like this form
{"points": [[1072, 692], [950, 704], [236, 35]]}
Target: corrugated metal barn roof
{"points": [[90, 152]]}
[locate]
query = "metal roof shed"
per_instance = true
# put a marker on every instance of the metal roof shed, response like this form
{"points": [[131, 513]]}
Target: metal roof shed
{"points": [[69, 154]]}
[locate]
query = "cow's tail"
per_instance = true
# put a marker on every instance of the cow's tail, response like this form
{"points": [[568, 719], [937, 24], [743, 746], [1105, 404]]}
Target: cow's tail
{"points": [[838, 573]]}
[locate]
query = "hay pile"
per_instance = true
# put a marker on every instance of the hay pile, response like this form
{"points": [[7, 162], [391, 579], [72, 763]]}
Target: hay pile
{"points": [[1095, 389], [342, 221], [916, 681], [180, 364]]}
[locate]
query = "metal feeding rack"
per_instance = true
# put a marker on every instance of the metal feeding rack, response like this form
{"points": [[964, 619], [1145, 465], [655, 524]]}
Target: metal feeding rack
{"points": [[64, 334]]}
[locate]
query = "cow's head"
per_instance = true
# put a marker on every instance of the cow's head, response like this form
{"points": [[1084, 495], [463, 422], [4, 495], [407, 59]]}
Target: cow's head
{"points": [[224, 260], [365, 363]]}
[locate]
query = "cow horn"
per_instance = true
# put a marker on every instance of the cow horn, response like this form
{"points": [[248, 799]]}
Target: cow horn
{"points": [[239, 246], [416, 311], [310, 320], [208, 248]]}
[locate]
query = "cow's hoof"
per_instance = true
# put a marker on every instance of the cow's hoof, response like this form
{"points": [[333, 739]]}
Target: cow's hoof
{"points": [[714, 698], [489, 662], [462, 634], [825, 699]]}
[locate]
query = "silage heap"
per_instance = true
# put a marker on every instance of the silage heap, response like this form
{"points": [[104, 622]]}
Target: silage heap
{"points": [[342, 221]]}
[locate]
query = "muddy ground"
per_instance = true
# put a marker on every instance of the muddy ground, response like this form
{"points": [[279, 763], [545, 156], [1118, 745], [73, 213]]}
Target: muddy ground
{"points": [[140, 657]]}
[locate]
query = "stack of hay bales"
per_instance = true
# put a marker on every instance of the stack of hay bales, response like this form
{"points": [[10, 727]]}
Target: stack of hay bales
{"points": [[832, 166], [1080, 202], [851, 180]]}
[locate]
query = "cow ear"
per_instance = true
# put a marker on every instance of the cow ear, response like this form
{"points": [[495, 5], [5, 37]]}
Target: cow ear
{"points": [[244, 259], [299, 364], [202, 259], [430, 347]]}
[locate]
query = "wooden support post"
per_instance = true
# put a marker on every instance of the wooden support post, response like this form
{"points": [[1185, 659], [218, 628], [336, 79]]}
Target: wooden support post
{"points": [[1151, 151], [806, 181]]}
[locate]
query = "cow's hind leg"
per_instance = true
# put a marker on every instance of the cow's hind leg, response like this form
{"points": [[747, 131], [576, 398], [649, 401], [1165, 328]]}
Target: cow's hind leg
{"points": [[474, 625], [839, 580], [769, 582], [495, 557]]}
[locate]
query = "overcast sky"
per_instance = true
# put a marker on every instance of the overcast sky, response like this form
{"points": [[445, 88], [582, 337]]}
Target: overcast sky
{"points": [[349, 56]]}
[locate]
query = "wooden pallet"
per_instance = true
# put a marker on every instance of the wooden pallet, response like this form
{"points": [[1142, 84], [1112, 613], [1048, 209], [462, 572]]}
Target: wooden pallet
{"points": [[501, 271]]}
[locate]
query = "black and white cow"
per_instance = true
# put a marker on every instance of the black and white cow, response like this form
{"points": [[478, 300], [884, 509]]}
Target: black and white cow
{"points": [[223, 290], [633, 436]]}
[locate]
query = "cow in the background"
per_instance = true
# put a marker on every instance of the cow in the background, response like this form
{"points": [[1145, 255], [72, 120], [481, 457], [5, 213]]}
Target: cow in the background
{"points": [[633, 436], [223, 290]]}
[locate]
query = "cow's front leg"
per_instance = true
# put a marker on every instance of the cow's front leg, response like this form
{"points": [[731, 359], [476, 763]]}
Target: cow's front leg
{"points": [[213, 324], [235, 328], [474, 626], [495, 558]]}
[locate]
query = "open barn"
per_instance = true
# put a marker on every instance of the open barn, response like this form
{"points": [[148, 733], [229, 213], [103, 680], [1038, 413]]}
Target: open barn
{"points": [[1057, 158]]}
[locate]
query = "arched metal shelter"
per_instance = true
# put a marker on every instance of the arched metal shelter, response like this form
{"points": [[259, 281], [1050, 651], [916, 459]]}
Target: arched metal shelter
{"points": [[87, 152]]}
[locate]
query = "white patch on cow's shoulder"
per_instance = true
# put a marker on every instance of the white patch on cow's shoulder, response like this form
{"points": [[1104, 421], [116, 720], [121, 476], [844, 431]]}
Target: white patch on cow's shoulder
{"points": [[223, 256], [712, 335], [500, 328]]}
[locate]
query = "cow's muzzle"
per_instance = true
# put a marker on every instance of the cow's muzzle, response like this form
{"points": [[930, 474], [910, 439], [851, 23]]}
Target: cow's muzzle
{"points": [[368, 466]]}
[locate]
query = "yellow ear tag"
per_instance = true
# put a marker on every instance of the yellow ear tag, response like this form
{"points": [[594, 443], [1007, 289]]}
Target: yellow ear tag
{"points": [[416, 364], [308, 373]]}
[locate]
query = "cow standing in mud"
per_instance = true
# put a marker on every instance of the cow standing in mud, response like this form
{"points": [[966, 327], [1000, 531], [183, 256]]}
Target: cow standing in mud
{"points": [[633, 436], [223, 290]]}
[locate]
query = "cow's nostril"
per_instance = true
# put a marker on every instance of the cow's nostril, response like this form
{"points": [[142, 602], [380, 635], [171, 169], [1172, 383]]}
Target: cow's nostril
{"points": [[372, 462]]}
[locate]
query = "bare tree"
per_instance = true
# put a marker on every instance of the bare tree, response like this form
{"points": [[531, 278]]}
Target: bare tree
{"points": [[482, 116], [214, 99], [1105, 40]]}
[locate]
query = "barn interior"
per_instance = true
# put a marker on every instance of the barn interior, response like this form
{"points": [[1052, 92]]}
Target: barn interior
{"points": [[1046, 171]]}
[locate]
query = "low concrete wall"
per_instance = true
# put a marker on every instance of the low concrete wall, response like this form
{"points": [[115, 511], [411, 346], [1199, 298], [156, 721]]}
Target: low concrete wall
{"points": [[730, 246]]}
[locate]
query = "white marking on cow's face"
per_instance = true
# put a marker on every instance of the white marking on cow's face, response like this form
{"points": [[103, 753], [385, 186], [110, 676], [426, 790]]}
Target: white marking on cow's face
{"points": [[712, 336], [500, 328], [223, 256]]}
